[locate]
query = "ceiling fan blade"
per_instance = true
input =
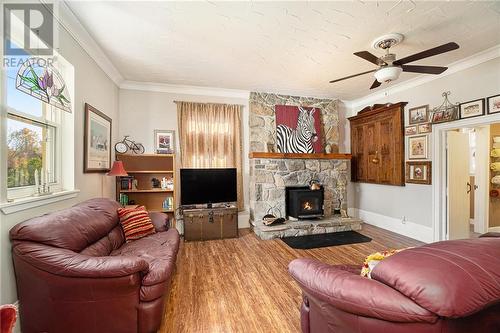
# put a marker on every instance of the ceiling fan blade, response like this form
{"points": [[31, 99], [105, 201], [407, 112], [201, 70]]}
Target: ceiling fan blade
{"points": [[424, 69], [350, 76], [369, 57], [428, 53], [375, 84]]}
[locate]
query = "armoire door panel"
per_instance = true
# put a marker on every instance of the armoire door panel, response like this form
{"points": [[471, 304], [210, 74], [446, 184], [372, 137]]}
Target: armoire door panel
{"points": [[371, 144], [386, 144], [358, 163]]}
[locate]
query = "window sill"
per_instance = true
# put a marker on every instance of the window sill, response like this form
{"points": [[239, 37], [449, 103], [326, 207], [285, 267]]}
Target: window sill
{"points": [[32, 202]]}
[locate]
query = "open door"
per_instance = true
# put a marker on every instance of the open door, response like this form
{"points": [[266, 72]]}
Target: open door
{"points": [[458, 185]]}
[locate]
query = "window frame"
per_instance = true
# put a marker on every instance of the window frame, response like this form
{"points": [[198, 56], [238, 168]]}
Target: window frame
{"points": [[55, 185], [63, 188]]}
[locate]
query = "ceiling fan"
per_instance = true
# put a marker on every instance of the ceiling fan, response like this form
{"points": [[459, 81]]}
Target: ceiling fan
{"points": [[389, 68]]}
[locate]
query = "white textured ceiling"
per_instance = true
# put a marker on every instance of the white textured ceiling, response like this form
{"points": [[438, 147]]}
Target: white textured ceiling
{"points": [[287, 47]]}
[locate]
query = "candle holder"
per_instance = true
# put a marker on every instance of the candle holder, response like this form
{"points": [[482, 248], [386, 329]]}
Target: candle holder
{"points": [[41, 190]]}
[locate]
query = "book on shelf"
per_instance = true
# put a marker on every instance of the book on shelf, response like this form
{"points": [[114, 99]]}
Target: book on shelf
{"points": [[168, 203], [126, 183], [123, 199]]}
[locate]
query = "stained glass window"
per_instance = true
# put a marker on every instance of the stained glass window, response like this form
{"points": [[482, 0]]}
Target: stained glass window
{"points": [[36, 77]]}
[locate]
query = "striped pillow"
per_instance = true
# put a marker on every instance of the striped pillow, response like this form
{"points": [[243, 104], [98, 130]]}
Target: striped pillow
{"points": [[135, 223]]}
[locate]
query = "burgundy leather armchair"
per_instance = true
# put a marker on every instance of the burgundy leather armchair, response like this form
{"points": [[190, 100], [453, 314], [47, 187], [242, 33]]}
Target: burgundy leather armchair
{"points": [[75, 273], [446, 287]]}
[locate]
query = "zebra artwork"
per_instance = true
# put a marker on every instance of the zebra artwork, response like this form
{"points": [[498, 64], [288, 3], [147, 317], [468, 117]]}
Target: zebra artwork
{"points": [[300, 139]]}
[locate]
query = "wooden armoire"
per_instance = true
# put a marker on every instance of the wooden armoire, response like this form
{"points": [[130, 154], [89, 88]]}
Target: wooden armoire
{"points": [[377, 144]]}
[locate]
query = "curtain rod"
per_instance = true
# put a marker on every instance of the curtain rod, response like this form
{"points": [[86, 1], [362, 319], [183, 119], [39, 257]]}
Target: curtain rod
{"points": [[208, 103]]}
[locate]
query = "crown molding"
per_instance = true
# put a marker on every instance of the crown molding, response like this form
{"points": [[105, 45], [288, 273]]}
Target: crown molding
{"points": [[77, 31], [457, 66], [184, 89]]}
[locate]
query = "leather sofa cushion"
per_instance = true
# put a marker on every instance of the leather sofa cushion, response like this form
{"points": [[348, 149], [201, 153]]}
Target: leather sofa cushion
{"points": [[159, 220], [452, 278], [158, 250], [74, 229], [105, 245]]}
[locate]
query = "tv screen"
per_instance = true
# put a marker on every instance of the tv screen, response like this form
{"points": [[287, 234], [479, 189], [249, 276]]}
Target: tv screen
{"points": [[206, 186]]}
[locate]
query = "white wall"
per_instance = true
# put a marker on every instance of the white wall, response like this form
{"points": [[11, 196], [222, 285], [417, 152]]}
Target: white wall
{"points": [[415, 201], [91, 86], [141, 112]]}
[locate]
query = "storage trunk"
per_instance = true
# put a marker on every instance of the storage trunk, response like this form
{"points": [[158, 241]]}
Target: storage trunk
{"points": [[210, 223]]}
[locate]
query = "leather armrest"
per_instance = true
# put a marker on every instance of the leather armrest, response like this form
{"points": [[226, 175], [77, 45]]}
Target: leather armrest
{"points": [[71, 264], [490, 234], [159, 220], [356, 294]]}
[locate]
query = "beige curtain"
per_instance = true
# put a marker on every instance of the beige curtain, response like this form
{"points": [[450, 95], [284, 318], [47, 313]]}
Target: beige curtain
{"points": [[210, 137]]}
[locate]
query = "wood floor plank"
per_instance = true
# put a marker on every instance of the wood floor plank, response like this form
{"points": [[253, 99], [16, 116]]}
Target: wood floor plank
{"points": [[243, 285]]}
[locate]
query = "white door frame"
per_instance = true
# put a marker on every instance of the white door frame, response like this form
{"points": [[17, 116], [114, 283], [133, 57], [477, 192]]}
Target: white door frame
{"points": [[439, 168]]}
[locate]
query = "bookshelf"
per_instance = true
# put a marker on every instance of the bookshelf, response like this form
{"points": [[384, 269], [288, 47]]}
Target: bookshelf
{"points": [[141, 170]]}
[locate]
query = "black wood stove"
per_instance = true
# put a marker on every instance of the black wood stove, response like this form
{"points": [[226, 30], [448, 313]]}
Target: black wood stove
{"points": [[304, 203]]}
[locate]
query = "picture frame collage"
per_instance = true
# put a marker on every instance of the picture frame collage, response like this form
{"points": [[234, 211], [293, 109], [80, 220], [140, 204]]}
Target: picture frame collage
{"points": [[420, 121], [418, 169]]}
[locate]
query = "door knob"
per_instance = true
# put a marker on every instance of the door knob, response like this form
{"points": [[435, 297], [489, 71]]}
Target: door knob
{"points": [[469, 187]]}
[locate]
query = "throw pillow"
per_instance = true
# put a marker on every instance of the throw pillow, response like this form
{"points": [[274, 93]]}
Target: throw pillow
{"points": [[135, 223], [373, 259]]}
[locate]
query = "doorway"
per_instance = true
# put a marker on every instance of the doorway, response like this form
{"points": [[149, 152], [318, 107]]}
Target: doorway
{"points": [[464, 200], [466, 168]]}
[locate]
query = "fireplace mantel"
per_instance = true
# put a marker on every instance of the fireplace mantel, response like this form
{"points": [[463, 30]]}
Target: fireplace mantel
{"points": [[316, 156]]}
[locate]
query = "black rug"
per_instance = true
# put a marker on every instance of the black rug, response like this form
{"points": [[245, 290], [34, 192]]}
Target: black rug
{"points": [[325, 240]]}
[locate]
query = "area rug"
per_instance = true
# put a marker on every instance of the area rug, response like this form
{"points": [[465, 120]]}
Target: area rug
{"points": [[325, 240]]}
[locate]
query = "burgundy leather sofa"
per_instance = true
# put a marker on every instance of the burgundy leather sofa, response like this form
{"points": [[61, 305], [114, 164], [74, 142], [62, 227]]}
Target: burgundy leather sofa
{"points": [[446, 287], [75, 273]]}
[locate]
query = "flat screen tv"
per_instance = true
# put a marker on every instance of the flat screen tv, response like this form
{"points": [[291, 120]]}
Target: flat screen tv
{"points": [[208, 186]]}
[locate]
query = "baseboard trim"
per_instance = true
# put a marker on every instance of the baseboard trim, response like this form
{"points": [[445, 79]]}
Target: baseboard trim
{"points": [[408, 229]]}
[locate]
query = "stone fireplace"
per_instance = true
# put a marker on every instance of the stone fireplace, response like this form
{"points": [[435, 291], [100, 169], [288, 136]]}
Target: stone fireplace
{"points": [[272, 173], [269, 178]]}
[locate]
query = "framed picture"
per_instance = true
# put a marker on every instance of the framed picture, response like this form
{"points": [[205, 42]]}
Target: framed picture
{"points": [[437, 117], [493, 104], [418, 115], [164, 141], [445, 115], [419, 172], [472, 109], [424, 128], [97, 139], [417, 147], [411, 130], [287, 118]]}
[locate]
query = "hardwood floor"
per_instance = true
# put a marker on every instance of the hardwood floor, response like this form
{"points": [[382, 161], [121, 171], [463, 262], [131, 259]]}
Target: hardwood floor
{"points": [[242, 284]]}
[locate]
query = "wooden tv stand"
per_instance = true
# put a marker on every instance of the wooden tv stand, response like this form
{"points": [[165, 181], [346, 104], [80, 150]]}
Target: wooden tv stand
{"points": [[210, 223]]}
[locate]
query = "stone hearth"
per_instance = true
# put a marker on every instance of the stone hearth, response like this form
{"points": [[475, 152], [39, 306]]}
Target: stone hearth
{"points": [[307, 227]]}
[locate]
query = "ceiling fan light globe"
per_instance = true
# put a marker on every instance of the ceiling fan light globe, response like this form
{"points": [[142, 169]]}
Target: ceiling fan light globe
{"points": [[388, 73]]}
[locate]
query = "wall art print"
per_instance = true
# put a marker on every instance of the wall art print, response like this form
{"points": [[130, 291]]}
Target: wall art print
{"points": [[262, 119], [97, 139], [298, 129], [493, 104], [418, 147]]}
